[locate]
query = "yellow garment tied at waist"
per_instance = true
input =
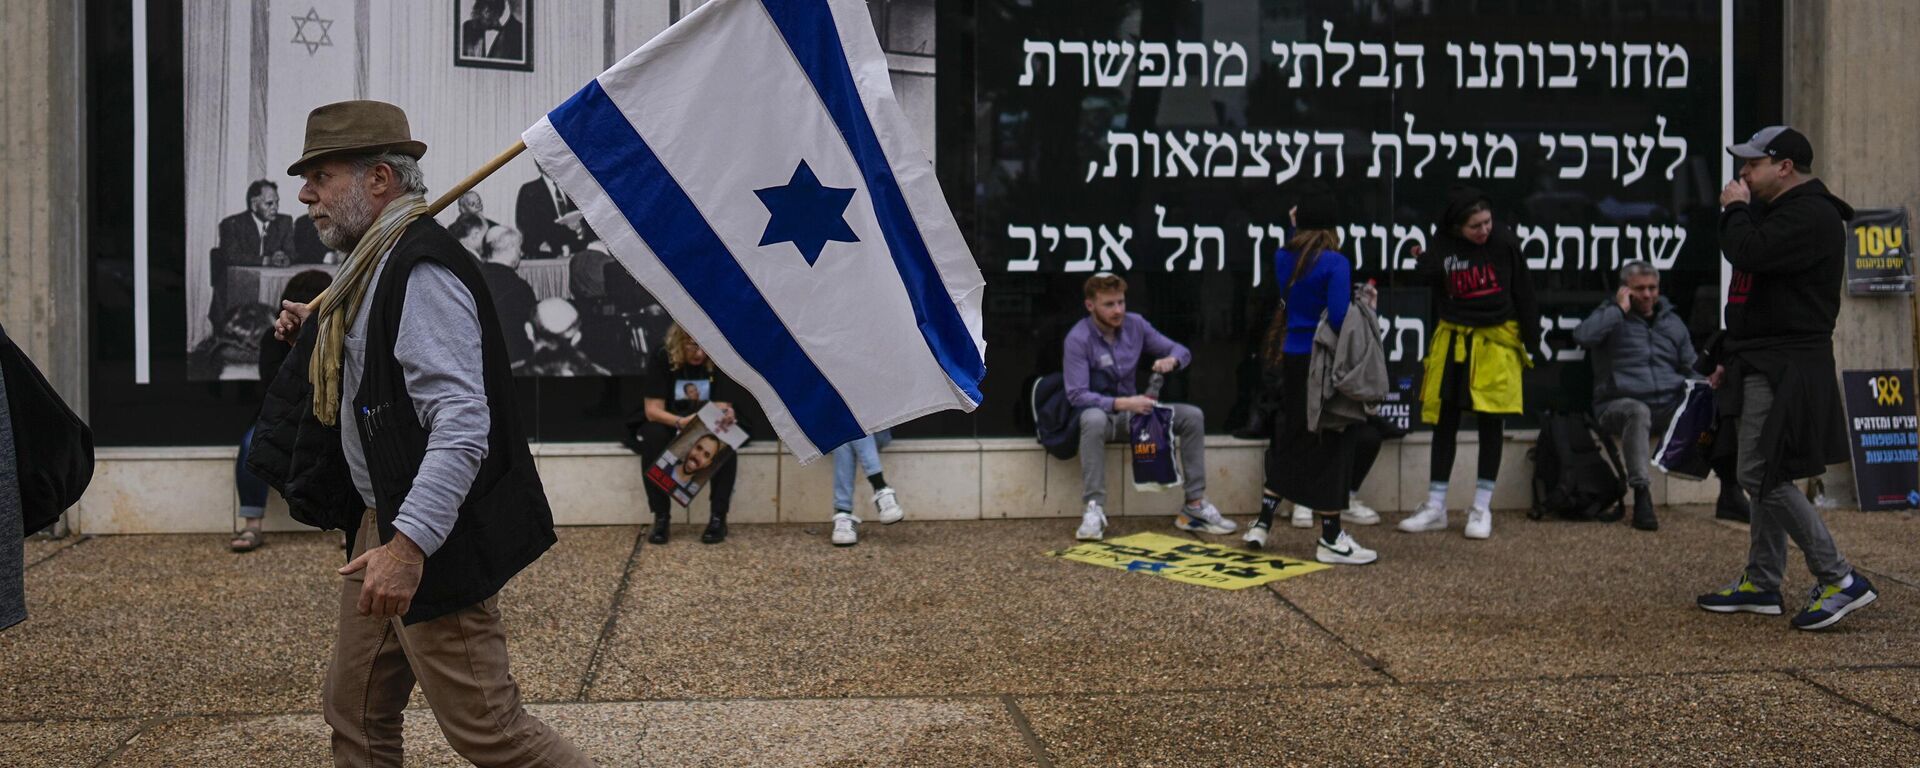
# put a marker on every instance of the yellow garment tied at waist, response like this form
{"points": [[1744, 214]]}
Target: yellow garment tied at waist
{"points": [[1493, 380]]}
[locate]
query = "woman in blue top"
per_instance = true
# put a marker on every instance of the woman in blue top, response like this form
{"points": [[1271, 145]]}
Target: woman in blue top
{"points": [[1311, 469]]}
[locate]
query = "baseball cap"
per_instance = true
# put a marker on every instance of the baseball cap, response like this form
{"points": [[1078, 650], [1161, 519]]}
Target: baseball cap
{"points": [[1778, 142]]}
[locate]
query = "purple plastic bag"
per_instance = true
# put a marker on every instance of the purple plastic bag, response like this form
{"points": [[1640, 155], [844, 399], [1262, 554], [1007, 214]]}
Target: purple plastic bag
{"points": [[1687, 449], [1152, 439]]}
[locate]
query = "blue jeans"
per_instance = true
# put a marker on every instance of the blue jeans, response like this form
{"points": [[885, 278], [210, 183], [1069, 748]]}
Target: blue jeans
{"points": [[867, 450], [253, 490]]}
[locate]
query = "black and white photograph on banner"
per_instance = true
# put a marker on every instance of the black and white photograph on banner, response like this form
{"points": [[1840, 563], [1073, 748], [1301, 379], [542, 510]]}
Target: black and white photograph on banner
{"points": [[494, 34], [565, 306]]}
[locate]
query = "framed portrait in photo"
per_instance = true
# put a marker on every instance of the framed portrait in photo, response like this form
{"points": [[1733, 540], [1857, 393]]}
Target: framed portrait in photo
{"points": [[493, 34]]}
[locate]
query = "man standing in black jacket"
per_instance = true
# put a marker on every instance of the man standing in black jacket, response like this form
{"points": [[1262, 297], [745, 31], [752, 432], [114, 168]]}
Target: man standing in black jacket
{"points": [[409, 435], [1785, 235]]}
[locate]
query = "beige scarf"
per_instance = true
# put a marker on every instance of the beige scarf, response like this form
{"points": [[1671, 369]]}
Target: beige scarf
{"points": [[337, 307]]}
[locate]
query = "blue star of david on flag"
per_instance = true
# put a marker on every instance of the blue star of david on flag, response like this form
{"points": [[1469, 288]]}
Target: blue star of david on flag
{"points": [[659, 150], [807, 214]]}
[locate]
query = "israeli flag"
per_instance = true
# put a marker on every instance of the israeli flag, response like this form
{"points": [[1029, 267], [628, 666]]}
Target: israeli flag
{"points": [[751, 168]]}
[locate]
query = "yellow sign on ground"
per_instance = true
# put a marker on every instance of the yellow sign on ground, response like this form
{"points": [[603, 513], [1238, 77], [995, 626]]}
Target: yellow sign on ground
{"points": [[1187, 561]]}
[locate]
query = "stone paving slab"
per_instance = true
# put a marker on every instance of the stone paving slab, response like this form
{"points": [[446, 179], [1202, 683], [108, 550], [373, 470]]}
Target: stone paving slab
{"points": [[1546, 599], [555, 610], [178, 624], [1892, 692], [154, 625], [72, 744], [772, 734], [1697, 720], [938, 608], [1693, 720], [37, 549], [1371, 725], [1881, 542]]}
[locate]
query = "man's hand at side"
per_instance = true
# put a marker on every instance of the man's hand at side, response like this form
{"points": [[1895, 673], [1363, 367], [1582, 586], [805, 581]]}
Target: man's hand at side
{"points": [[393, 574], [1134, 404], [292, 313]]}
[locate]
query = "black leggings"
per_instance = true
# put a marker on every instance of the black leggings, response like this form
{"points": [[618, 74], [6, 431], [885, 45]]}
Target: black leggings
{"points": [[1366, 448], [1447, 432], [654, 438]]}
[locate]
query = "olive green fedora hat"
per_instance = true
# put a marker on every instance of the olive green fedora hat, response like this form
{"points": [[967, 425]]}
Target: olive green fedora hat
{"points": [[356, 127]]}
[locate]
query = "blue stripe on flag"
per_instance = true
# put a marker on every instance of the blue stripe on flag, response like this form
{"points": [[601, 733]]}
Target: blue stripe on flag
{"points": [[809, 30], [662, 214]]}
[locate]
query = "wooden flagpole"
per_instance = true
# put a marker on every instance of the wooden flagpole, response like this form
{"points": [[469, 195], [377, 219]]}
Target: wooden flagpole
{"points": [[453, 193]]}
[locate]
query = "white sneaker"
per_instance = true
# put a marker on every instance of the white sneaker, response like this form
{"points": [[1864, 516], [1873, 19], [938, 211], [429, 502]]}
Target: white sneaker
{"points": [[1479, 523], [887, 507], [1429, 517], [844, 534], [1206, 519], [1093, 523], [1302, 516], [1359, 513], [1344, 551], [1256, 537]]}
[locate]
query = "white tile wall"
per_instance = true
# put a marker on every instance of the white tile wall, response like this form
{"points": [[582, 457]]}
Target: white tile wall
{"points": [[190, 490]]}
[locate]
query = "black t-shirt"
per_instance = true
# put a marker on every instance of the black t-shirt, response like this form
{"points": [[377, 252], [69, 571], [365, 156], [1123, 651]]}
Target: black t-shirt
{"points": [[686, 389]]}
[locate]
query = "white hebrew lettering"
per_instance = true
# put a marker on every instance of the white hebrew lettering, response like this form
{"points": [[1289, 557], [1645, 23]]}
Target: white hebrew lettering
{"points": [[1037, 47], [1032, 262]]}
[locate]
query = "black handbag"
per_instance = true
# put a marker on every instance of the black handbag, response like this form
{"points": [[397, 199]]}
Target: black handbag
{"points": [[53, 447]]}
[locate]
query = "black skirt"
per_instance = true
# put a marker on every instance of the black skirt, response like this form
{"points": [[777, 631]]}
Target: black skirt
{"points": [[1308, 468]]}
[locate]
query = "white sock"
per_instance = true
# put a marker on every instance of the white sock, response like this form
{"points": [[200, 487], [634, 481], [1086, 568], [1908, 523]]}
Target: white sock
{"points": [[1846, 582], [1437, 494], [1483, 494]]}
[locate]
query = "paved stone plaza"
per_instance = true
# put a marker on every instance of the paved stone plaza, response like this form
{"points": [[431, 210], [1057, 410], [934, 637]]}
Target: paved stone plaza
{"points": [[961, 644]]}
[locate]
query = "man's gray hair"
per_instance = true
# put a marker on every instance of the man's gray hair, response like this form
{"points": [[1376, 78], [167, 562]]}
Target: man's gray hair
{"points": [[406, 169], [1637, 268]]}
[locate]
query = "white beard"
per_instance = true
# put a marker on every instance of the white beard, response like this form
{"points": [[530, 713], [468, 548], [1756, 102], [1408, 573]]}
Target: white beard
{"points": [[349, 221]]}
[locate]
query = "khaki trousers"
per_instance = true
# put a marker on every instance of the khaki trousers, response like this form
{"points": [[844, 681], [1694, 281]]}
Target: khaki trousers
{"points": [[460, 662]]}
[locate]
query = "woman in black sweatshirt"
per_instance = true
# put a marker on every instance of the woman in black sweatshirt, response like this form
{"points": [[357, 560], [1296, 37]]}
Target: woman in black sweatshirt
{"points": [[1486, 323]]}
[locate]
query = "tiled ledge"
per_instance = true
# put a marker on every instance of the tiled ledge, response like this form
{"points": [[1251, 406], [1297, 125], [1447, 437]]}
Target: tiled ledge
{"points": [[190, 489]]}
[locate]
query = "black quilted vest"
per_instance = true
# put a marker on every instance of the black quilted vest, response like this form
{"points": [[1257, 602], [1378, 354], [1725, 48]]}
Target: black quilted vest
{"points": [[504, 523]]}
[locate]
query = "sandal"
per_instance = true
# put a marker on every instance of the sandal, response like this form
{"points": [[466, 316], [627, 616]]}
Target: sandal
{"points": [[248, 540]]}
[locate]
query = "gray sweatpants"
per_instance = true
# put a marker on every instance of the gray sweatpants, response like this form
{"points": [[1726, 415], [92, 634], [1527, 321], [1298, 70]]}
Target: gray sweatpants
{"points": [[1631, 422], [1097, 428], [1784, 511]]}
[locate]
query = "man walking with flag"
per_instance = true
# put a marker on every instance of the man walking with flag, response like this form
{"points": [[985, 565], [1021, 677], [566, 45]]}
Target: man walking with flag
{"points": [[762, 204], [428, 462]]}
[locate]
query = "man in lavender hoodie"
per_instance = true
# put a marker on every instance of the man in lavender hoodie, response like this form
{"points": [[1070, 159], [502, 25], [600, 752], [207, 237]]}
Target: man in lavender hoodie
{"points": [[1102, 354]]}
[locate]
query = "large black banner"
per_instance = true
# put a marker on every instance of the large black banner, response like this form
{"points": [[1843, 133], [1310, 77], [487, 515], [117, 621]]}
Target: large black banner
{"points": [[1166, 141]]}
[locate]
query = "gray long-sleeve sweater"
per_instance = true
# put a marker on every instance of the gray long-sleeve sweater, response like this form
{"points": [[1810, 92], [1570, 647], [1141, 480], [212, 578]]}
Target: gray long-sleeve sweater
{"points": [[439, 352]]}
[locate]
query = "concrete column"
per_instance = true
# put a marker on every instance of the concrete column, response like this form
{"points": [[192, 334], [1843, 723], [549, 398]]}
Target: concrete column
{"points": [[43, 264], [1854, 90]]}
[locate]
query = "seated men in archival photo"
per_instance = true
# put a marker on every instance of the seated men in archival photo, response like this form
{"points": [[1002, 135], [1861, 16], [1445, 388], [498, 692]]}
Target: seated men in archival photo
{"points": [[260, 236]]}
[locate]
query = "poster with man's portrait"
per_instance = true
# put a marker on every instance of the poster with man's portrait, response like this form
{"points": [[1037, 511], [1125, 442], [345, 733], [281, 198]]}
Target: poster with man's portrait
{"points": [[493, 34], [707, 442]]}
